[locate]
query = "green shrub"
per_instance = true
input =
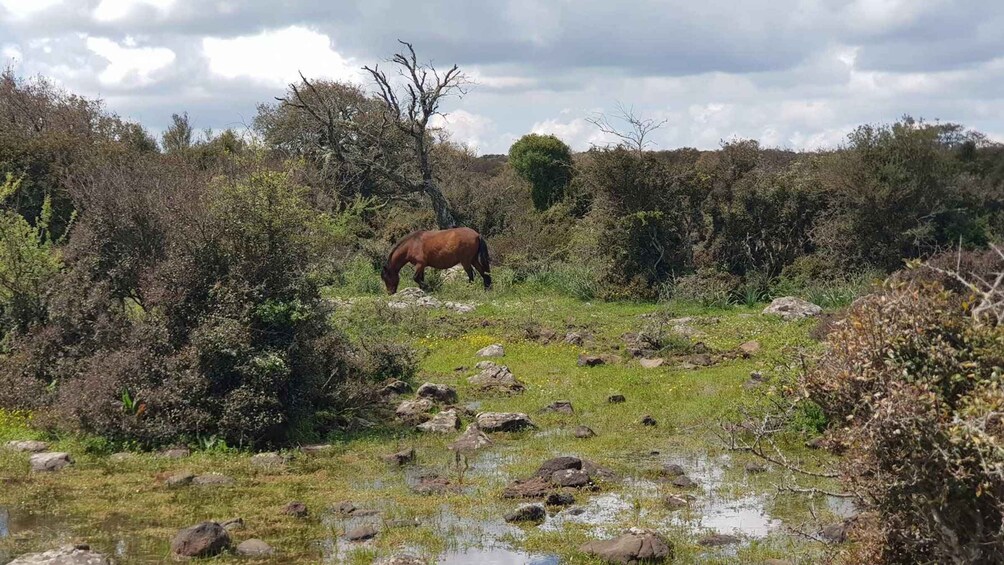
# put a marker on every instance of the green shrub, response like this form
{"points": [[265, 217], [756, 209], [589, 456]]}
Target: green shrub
{"points": [[546, 163], [707, 287]]}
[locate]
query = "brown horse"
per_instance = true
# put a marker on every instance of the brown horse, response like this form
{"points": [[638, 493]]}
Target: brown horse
{"points": [[440, 249]]}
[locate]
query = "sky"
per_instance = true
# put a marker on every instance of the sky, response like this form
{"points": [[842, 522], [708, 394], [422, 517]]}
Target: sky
{"points": [[797, 74]]}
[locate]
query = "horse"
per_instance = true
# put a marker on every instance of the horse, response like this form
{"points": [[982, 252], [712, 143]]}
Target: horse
{"points": [[439, 249]]}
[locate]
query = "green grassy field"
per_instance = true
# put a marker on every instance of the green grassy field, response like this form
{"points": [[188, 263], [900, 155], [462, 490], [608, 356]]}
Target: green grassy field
{"points": [[124, 509]]}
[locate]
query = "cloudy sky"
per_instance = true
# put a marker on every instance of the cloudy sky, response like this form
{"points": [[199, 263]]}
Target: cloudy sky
{"points": [[790, 73]]}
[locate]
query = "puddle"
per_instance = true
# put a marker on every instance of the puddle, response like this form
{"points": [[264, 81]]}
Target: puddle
{"points": [[19, 523], [495, 557]]}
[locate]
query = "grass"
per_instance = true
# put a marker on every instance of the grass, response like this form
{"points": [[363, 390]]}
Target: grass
{"points": [[125, 506]]}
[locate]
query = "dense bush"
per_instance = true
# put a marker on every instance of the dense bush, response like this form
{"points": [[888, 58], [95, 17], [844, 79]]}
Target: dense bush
{"points": [[546, 163], [912, 384]]}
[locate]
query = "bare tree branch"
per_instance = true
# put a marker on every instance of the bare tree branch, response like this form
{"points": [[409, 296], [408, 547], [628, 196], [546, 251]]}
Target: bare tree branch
{"points": [[638, 128]]}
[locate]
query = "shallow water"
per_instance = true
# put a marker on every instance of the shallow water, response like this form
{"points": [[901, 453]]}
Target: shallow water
{"points": [[495, 557]]}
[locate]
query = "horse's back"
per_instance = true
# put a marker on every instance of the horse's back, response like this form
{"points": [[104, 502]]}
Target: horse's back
{"points": [[445, 248]]}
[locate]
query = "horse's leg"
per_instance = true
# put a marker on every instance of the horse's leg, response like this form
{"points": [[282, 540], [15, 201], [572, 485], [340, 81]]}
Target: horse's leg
{"points": [[420, 275], [470, 272], [485, 274]]}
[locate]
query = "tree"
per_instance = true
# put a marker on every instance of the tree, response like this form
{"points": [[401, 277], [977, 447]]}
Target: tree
{"points": [[178, 137], [546, 163], [639, 128]]}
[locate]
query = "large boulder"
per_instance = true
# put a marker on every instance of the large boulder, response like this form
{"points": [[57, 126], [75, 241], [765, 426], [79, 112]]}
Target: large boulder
{"points": [[792, 308], [504, 421], [442, 423], [201, 540], [472, 439], [438, 392], [493, 350], [555, 464], [66, 555], [497, 378], [50, 461], [534, 487], [634, 546], [414, 410], [571, 478]]}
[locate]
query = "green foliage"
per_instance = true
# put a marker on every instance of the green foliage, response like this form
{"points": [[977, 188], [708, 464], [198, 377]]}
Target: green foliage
{"points": [[546, 163]]}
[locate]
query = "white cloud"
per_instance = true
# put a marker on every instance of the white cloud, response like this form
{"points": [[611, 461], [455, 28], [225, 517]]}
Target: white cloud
{"points": [[22, 9], [275, 57], [111, 10], [129, 66], [465, 127], [11, 52]]}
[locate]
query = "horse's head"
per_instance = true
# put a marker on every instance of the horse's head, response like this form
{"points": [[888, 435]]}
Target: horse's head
{"points": [[390, 279]]}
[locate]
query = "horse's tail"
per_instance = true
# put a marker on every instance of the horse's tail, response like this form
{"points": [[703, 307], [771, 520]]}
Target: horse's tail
{"points": [[485, 261]]}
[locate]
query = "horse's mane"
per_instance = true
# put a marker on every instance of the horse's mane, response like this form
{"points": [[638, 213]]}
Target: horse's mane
{"points": [[403, 240]]}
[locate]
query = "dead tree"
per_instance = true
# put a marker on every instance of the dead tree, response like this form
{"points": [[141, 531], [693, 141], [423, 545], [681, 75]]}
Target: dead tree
{"points": [[412, 107], [638, 128]]}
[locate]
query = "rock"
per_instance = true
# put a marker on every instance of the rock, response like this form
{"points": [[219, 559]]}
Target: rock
{"points": [[671, 470], [534, 487], [395, 386], [254, 548], [555, 464], [701, 360], [176, 453], [344, 508], [683, 481], [792, 308], [471, 440], [66, 555], [652, 363], [414, 410], [268, 461], [494, 350], [442, 423], [597, 472], [497, 378], [835, 533], [50, 461], [559, 406], [616, 398], [400, 560], [233, 524], [362, 533], [559, 499], [504, 421], [400, 458], [527, 513], [571, 478], [27, 446], [213, 480], [573, 338], [648, 420], [296, 509], [454, 274], [634, 546], [749, 348], [482, 365], [459, 307], [718, 540], [818, 442], [179, 480], [675, 502], [316, 448], [432, 484], [590, 360], [583, 432], [202, 540], [438, 392], [755, 468]]}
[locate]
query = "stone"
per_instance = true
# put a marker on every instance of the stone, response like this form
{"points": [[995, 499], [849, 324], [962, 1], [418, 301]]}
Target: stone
{"points": [[527, 513], [438, 392], [559, 499], [675, 502], [66, 555], [683, 481], [50, 461], [395, 386], [400, 458], [344, 508], [616, 398], [560, 406], [651, 363], [179, 480], [459, 307], [213, 480], [27, 446], [534, 487], [590, 360], [432, 484], [584, 432], [233, 524], [497, 378], [555, 464], [791, 308], [269, 460], [749, 348], [442, 423], [718, 540], [597, 472], [202, 540], [573, 338], [671, 470], [835, 533], [494, 350], [634, 546], [482, 365], [176, 453], [471, 440], [296, 509], [648, 420], [254, 548], [316, 448], [361, 533], [755, 468], [571, 478], [414, 410], [504, 421]]}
